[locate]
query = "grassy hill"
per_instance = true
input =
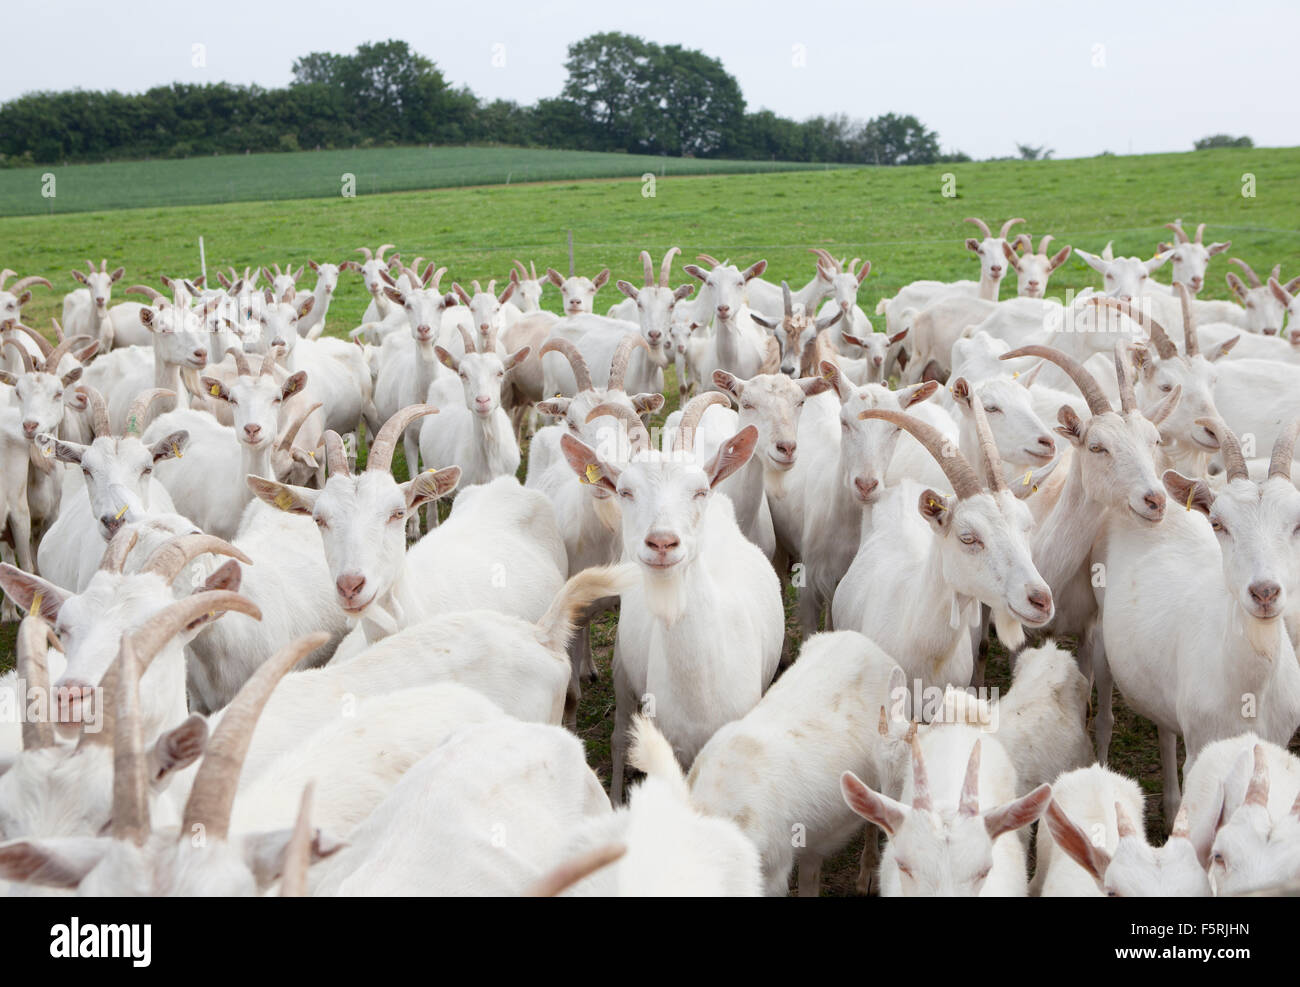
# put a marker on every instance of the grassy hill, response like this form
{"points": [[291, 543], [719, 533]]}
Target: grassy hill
{"points": [[319, 174]]}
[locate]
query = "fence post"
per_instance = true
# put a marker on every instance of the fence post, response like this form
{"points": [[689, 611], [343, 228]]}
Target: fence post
{"points": [[570, 253], [203, 263]]}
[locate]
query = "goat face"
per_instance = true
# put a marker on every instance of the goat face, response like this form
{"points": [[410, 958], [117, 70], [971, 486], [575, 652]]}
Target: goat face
{"points": [[41, 402], [1124, 277], [725, 285], [866, 447], [577, 294], [1117, 460], [1196, 376], [423, 308], [993, 262], [180, 336], [1020, 435], [773, 404], [118, 473]]}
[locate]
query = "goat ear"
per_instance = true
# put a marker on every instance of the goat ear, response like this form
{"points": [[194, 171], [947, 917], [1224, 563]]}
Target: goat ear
{"points": [[149, 318], [872, 806], [79, 276], [1018, 813], [1238, 287], [214, 388], [1222, 349], [762, 320], [853, 340], [1218, 248], [899, 336], [313, 265], [1012, 257], [306, 306], [553, 276], [170, 446], [72, 376], [60, 862], [30, 591], [460, 292], [1162, 247], [394, 295], [600, 279], [24, 298], [866, 269], [282, 496], [1188, 492], [264, 852], [683, 291], [518, 357], [1279, 292], [430, 485], [1156, 262], [754, 270], [695, 271], [733, 454], [1059, 258], [555, 407], [64, 452], [227, 577], [1092, 260], [908, 396], [647, 404], [293, 384], [627, 288], [1076, 844], [583, 460], [177, 749], [831, 374], [961, 394], [972, 244], [1071, 425], [7, 378], [729, 383], [509, 290], [934, 508], [446, 358], [813, 385]]}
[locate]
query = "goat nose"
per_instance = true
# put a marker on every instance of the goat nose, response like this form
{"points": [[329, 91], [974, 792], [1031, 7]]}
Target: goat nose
{"points": [[111, 523], [877, 361], [1040, 598], [350, 584], [787, 449], [654, 335], [29, 428], [1270, 331], [1155, 500], [252, 431], [865, 487], [201, 354], [995, 270], [1033, 284], [1047, 443], [662, 542], [1265, 594]]}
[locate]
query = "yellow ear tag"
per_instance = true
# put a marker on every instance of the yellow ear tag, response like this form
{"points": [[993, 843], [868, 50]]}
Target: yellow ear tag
{"points": [[35, 608], [592, 475], [284, 500], [312, 454], [118, 515], [1029, 478], [932, 503], [1190, 494], [828, 375], [431, 470], [176, 451], [1015, 375], [216, 390]]}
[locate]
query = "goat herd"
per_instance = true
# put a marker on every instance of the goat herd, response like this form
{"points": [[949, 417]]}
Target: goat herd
{"points": [[244, 667]]}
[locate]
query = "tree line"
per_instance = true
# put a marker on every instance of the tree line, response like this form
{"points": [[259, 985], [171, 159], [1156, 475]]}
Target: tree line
{"points": [[623, 93]]}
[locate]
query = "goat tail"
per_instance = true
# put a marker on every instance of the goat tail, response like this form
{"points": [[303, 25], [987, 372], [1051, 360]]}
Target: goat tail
{"points": [[881, 306], [561, 620], [650, 752]]}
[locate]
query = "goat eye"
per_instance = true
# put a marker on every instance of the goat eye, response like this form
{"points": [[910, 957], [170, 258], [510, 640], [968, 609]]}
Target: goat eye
{"points": [[1166, 388], [1096, 448], [992, 411], [320, 523], [969, 539], [397, 516], [1112, 893], [701, 493], [625, 494]]}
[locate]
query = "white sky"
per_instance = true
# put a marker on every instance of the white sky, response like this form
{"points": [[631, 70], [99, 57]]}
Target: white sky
{"points": [[985, 74]]}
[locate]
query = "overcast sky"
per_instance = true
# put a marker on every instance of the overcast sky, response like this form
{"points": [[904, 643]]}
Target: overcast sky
{"points": [[1132, 76]]}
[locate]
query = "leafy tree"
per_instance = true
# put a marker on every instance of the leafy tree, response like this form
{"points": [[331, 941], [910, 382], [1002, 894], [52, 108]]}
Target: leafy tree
{"points": [[898, 140], [1028, 152], [1222, 140]]}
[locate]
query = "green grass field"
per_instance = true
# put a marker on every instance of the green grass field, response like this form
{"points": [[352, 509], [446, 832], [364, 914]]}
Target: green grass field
{"points": [[896, 217], [320, 174]]}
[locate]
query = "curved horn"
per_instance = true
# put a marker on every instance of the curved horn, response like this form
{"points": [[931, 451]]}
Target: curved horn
{"points": [[130, 801], [831, 263], [41, 342], [1006, 227], [581, 374], [169, 559], [965, 481], [1200, 231], [91, 264], [1249, 271], [984, 227], [577, 869], [622, 356], [241, 361], [381, 450], [970, 786], [709, 259], [1127, 396], [213, 793], [1234, 463], [649, 268], [1164, 345], [336, 456], [143, 289], [22, 283], [137, 415], [1179, 232], [636, 430], [666, 268], [360, 250], [787, 299], [152, 636], [1257, 790], [1083, 380], [1191, 345], [119, 547], [1042, 244], [523, 271], [379, 254], [920, 780], [66, 345], [300, 416], [297, 854], [21, 350], [691, 415], [100, 425], [38, 731], [1284, 452], [466, 338], [988, 447], [268, 362]]}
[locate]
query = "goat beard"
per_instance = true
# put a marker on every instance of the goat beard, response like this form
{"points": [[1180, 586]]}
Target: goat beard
{"points": [[665, 594], [1010, 631], [1263, 635], [774, 483]]}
